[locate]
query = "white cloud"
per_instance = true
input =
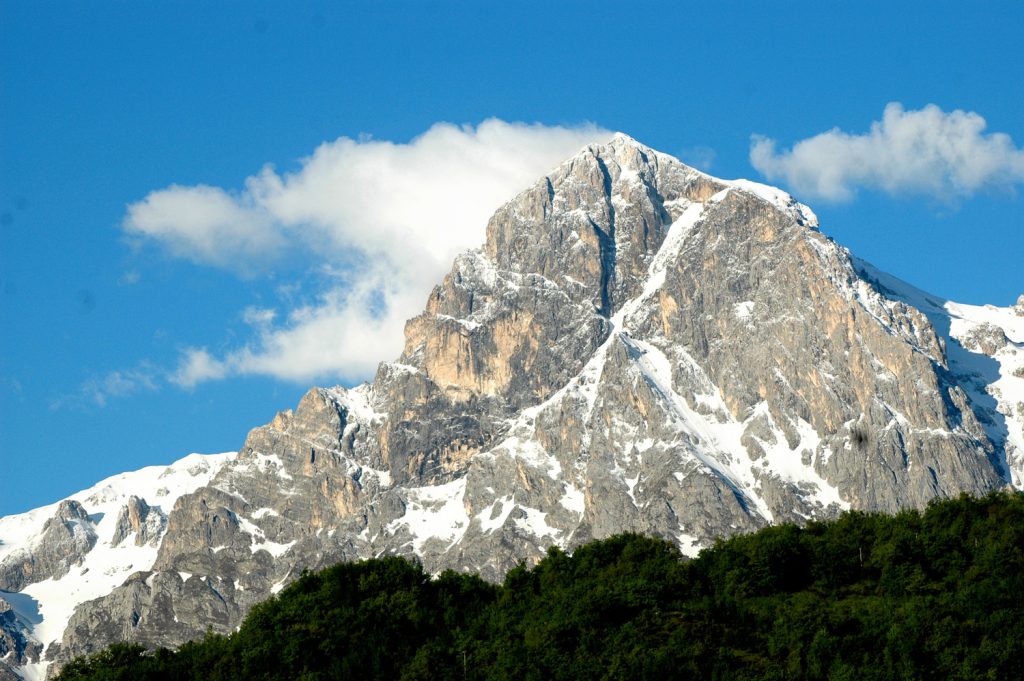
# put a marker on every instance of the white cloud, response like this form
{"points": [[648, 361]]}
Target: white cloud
{"points": [[206, 225], [198, 365], [258, 316], [928, 151], [391, 215], [97, 391], [344, 334]]}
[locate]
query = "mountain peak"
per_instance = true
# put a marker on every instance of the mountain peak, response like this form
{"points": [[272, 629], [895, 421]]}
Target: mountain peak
{"points": [[639, 347], [621, 140], [631, 153]]}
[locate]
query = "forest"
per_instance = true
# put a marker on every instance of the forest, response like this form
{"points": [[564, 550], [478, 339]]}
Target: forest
{"points": [[936, 594]]}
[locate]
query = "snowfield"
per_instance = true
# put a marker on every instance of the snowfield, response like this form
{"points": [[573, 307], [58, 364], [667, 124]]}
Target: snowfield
{"points": [[46, 607]]}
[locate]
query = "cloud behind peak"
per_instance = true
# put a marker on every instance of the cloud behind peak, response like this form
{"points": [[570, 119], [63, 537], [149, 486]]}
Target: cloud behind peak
{"points": [[945, 155], [392, 215]]}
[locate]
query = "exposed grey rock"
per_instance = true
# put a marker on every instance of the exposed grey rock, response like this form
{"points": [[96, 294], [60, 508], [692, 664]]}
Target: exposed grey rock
{"points": [[139, 518], [986, 338], [637, 346], [65, 539], [1018, 308], [7, 672], [155, 609], [17, 647]]}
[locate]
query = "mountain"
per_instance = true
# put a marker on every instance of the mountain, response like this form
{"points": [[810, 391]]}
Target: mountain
{"points": [[867, 596], [638, 346], [56, 557]]}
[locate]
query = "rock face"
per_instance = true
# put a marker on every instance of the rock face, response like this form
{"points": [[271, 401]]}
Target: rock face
{"points": [[139, 518], [638, 346], [87, 547], [17, 647], [986, 338], [65, 539]]}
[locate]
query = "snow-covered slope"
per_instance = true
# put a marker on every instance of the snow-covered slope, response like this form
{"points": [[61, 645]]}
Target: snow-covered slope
{"points": [[985, 352], [46, 606]]}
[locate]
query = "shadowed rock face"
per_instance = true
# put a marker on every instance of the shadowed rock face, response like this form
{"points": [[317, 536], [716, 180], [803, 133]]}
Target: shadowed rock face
{"points": [[638, 346], [16, 644]]}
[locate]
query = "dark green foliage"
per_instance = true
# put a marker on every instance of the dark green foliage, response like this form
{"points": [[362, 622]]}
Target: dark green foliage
{"points": [[938, 595]]}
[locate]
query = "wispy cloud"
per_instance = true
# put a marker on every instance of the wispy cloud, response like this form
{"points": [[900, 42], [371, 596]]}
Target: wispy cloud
{"points": [[97, 391], [388, 216], [258, 316], [197, 365], [946, 155], [129, 278]]}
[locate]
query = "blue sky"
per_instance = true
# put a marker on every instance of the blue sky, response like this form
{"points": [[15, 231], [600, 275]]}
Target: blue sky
{"points": [[161, 293]]}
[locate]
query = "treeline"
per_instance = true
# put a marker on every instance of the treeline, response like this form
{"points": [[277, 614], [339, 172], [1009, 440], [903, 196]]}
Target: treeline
{"points": [[932, 595]]}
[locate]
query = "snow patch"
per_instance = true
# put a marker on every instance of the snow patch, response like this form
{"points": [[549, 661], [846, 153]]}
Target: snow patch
{"points": [[573, 499], [357, 404], [778, 198], [535, 523], [689, 545], [266, 463], [259, 539], [434, 512], [106, 566], [708, 446], [530, 452], [494, 516], [744, 309]]}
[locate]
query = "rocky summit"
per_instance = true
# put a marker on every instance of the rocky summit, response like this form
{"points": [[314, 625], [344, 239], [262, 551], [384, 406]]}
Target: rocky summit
{"points": [[638, 346]]}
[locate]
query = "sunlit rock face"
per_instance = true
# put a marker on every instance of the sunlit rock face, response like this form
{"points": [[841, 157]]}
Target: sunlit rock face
{"points": [[637, 347]]}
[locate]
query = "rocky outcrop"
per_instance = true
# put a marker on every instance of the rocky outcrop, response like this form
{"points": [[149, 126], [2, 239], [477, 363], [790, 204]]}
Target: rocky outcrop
{"points": [[986, 338], [140, 519], [65, 539], [17, 647], [637, 347], [155, 609]]}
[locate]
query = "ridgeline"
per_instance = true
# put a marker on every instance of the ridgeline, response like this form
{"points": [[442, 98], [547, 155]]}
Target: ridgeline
{"points": [[931, 595]]}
